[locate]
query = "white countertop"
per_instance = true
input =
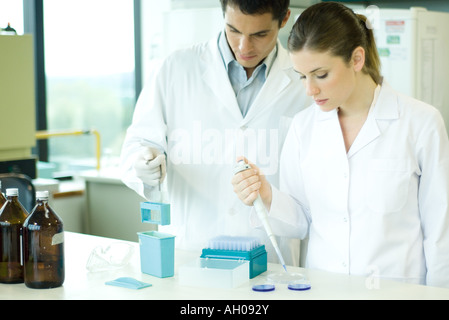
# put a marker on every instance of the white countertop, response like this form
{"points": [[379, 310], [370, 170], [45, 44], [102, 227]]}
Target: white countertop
{"points": [[82, 284]]}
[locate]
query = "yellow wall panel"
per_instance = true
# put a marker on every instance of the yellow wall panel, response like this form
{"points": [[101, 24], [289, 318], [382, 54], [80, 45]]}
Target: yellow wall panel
{"points": [[17, 96]]}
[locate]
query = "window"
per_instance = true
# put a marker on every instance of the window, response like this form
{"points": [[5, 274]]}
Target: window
{"points": [[89, 69], [91, 58]]}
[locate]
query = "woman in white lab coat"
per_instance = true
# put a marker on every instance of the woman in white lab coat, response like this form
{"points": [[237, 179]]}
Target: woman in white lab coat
{"points": [[365, 170], [189, 114]]}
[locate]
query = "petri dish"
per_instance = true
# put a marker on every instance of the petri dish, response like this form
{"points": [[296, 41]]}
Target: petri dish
{"points": [[263, 287], [299, 286], [285, 277]]}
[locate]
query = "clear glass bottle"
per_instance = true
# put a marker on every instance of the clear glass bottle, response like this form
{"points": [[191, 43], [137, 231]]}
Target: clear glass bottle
{"points": [[43, 246], [12, 217]]}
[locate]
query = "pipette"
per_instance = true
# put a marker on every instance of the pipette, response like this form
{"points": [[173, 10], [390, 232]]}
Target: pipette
{"points": [[262, 214]]}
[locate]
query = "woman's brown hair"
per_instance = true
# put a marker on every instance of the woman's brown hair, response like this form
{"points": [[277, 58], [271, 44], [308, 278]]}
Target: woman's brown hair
{"points": [[333, 27]]}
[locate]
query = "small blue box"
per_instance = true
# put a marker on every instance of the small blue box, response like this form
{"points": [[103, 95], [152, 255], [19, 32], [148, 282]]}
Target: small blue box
{"points": [[257, 258], [157, 253], [155, 212]]}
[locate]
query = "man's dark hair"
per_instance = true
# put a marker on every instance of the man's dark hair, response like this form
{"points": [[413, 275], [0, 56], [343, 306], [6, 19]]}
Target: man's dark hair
{"points": [[278, 8]]}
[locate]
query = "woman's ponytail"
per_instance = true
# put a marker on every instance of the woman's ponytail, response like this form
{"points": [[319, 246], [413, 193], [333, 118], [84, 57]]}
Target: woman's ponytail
{"points": [[372, 60]]}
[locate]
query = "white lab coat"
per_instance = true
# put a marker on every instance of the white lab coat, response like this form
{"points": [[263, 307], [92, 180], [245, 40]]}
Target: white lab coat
{"points": [[190, 111], [382, 208]]}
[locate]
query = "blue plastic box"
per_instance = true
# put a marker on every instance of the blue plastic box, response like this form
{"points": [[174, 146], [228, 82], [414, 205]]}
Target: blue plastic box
{"points": [[155, 213], [257, 258], [157, 253]]}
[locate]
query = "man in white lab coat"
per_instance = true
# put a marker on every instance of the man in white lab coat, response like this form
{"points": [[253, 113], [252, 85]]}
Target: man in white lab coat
{"points": [[234, 95]]}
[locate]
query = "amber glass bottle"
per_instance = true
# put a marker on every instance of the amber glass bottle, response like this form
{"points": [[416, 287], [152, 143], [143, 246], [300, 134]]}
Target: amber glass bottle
{"points": [[12, 217], [2, 198], [43, 241]]}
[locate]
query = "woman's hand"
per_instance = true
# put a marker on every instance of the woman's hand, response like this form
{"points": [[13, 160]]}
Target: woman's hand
{"points": [[250, 183]]}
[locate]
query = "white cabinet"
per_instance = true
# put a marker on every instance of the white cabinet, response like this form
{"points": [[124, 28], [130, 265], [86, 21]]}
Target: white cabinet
{"points": [[113, 210]]}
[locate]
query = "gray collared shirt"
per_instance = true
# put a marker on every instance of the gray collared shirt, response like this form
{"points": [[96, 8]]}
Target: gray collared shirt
{"points": [[246, 90]]}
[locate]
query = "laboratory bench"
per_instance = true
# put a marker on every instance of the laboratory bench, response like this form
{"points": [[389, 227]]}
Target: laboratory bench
{"points": [[82, 284]]}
